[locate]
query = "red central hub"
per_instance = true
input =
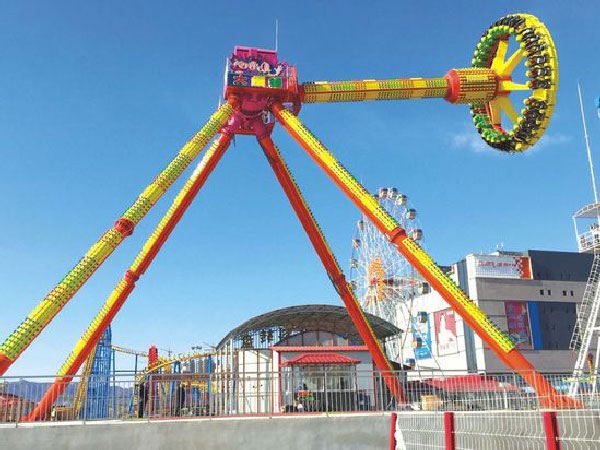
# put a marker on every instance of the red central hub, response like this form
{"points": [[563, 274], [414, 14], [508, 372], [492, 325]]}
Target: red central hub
{"points": [[257, 79]]}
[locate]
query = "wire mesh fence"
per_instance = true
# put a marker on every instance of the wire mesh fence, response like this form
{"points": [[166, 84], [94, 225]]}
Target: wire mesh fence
{"points": [[420, 430], [579, 429], [168, 395], [510, 430], [488, 411]]}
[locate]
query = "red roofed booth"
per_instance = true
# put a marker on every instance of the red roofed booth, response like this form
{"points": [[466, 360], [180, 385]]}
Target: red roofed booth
{"points": [[320, 358]]}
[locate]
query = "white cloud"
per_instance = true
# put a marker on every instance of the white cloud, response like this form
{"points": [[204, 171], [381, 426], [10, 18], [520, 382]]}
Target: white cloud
{"points": [[469, 139], [550, 139]]}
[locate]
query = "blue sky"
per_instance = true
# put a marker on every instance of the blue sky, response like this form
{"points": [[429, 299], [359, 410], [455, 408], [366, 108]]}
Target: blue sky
{"points": [[96, 98]]}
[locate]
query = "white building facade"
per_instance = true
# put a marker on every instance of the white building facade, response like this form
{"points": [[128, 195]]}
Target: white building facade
{"points": [[532, 295]]}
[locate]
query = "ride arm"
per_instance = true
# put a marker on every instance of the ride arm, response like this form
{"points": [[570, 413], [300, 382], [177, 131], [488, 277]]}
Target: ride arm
{"points": [[43, 314], [495, 338], [457, 86], [117, 298], [334, 272]]}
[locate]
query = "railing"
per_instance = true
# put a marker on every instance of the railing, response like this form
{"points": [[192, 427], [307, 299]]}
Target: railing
{"points": [[156, 396], [449, 411], [123, 396], [589, 241], [499, 430]]}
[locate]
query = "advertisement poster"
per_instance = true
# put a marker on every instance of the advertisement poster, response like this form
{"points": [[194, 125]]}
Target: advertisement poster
{"points": [[422, 330], [518, 324], [499, 266], [445, 331]]}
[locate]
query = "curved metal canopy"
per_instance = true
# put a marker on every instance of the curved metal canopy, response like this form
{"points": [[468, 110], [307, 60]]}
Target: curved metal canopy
{"points": [[329, 318]]}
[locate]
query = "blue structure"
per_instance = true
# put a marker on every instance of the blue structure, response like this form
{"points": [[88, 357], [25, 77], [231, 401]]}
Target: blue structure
{"points": [[98, 388]]}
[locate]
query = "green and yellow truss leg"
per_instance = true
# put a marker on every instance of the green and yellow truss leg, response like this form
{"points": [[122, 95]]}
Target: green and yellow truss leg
{"points": [[117, 298], [43, 314]]}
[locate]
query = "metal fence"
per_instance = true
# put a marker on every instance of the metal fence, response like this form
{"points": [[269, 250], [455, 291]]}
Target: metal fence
{"points": [[487, 411], [497, 412], [158, 396], [577, 429]]}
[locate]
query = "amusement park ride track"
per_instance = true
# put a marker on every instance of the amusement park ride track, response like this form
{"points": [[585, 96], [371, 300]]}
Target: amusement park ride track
{"points": [[257, 89]]}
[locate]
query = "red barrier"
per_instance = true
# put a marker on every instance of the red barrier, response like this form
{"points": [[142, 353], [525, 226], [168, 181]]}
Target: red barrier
{"points": [[449, 441], [551, 428], [393, 431]]}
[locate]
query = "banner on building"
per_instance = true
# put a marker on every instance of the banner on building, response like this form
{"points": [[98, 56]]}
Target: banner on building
{"points": [[499, 266], [422, 331], [445, 331], [518, 324]]}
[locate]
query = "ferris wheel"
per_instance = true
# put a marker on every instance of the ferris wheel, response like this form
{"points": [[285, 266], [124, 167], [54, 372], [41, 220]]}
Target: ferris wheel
{"points": [[386, 285]]}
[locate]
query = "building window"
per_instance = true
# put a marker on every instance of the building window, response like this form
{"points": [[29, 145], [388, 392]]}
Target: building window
{"points": [[565, 293], [556, 321], [549, 292], [571, 293], [541, 292]]}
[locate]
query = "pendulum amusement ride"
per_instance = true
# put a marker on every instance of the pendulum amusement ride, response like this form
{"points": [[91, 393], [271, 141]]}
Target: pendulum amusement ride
{"points": [[259, 90]]}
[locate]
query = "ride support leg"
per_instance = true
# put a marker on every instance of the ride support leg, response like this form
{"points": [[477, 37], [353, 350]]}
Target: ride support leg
{"points": [[334, 272], [43, 314], [493, 336], [117, 298]]}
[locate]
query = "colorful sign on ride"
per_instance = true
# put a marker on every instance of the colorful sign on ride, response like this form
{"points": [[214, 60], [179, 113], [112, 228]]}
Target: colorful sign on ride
{"points": [[251, 67]]}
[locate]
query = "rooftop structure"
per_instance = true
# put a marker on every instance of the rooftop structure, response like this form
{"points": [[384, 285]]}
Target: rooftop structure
{"points": [[267, 329], [270, 355]]}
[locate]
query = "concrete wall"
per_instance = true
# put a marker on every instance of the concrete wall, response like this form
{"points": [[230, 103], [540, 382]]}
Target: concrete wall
{"points": [[348, 432]]}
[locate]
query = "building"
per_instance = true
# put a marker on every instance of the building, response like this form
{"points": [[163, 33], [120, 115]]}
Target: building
{"points": [[13, 407], [308, 356], [533, 295]]}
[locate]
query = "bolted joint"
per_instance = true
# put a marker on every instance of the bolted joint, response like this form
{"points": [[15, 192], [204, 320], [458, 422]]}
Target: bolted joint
{"points": [[124, 226], [131, 277], [397, 235], [473, 85]]}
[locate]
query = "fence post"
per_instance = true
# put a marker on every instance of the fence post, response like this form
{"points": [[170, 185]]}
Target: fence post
{"points": [[551, 428], [150, 400], [19, 404], [85, 402], [326, 395], [393, 431], [449, 439]]}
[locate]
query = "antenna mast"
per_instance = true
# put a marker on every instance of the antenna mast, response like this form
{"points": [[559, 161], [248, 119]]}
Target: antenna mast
{"points": [[276, 35], [587, 144]]}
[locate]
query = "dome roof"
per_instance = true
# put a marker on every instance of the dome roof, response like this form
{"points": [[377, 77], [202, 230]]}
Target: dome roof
{"points": [[329, 318]]}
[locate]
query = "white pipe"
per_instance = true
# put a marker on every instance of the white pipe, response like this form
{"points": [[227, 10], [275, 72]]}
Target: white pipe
{"points": [[587, 144]]}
